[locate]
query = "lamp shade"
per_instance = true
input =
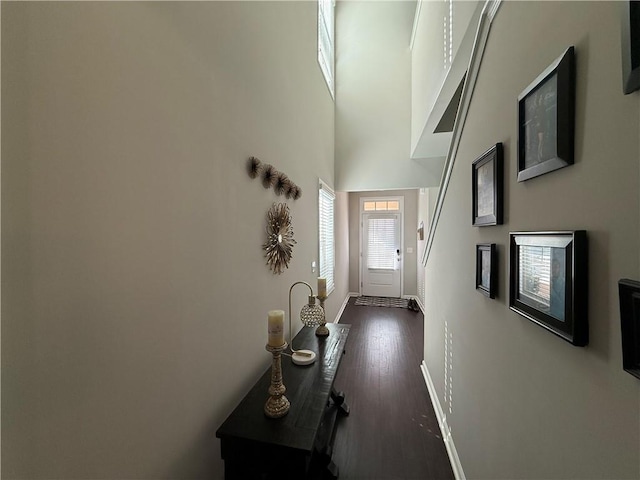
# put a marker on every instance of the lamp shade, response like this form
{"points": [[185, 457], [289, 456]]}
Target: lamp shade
{"points": [[311, 314]]}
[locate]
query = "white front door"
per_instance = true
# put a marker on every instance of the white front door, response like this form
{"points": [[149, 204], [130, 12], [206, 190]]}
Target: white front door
{"points": [[381, 254]]}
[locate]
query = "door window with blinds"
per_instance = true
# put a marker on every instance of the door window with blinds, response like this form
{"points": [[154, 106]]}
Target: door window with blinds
{"points": [[326, 255], [382, 243]]}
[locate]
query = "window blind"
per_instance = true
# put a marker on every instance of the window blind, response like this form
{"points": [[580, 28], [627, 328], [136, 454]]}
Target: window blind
{"points": [[326, 200], [381, 243]]}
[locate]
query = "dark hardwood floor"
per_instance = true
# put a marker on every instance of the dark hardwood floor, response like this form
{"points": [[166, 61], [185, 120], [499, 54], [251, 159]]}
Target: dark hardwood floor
{"points": [[392, 431]]}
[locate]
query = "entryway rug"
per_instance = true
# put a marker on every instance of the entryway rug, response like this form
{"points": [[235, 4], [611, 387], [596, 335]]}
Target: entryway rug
{"points": [[382, 302]]}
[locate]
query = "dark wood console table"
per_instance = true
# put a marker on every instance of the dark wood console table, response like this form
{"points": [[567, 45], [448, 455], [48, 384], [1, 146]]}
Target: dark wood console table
{"points": [[255, 446]]}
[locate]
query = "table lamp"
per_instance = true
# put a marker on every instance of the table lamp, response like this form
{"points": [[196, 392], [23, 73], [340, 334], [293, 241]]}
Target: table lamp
{"points": [[311, 315]]}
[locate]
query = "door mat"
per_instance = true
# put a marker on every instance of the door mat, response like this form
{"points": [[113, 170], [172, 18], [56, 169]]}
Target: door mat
{"points": [[382, 302]]}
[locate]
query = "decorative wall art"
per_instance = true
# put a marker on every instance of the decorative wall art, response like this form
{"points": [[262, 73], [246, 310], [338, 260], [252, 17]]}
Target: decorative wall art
{"points": [[546, 119], [487, 269], [282, 184], [268, 175], [294, 192], [630, 46], [487, 174], [629, 294], [548, 281], [272, 178], [253, 167], [279, 244]]}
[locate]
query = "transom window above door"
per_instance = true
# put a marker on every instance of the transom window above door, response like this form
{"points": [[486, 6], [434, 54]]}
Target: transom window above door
{"points": [[381, 206]]}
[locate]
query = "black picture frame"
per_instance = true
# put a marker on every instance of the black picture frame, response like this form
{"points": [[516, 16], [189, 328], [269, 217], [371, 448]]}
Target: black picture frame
{"points": [[630, 43], [487, 184], [629, 295], [487, 269], [548, 274], [546, 119]]}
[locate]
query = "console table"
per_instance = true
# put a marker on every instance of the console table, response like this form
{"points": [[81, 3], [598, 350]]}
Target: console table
{"points": [[255, 446]]}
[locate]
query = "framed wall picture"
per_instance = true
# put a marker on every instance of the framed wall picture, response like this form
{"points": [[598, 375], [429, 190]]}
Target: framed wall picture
{"points": [[487, 174], [546, 111], [629, 293], [630, 42], [548, 281], [487, 269]]}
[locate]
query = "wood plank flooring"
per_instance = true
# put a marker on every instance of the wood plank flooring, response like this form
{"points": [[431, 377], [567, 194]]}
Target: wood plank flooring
{"points": [[392, 431]]}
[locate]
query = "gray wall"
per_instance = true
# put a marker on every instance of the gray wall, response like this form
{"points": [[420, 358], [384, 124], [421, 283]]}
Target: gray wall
{"points": [[135, 291], [343, 247], [521, 402], [409, 275]]}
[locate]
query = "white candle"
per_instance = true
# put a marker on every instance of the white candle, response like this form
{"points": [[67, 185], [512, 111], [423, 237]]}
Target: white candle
{"points": [[276, 328], [322, 287]]}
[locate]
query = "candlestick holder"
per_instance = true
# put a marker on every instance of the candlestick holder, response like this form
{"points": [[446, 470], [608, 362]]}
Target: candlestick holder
{"points": [[277, 404], [322, 330]]}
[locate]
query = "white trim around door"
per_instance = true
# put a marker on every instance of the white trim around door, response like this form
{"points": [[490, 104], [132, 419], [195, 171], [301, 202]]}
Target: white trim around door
{"points": [[381, 240]]}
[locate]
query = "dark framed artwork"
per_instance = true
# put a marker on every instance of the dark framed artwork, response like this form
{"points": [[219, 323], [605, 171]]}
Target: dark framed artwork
{"points": [[546, 111], [630, 43], [487, 174], [629, 293], [548, 281], [487, 269]]}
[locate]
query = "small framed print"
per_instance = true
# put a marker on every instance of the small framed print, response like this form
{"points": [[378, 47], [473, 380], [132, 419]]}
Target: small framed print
{"points": [[487, 269], [546, 119], [487, 186], [629, 293], [548, 281], [630, 46]]}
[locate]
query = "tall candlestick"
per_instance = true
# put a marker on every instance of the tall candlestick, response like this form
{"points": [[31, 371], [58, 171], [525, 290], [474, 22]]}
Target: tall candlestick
{"points": [[322, 287], [276, 328], [277, 404], [322, 330]]}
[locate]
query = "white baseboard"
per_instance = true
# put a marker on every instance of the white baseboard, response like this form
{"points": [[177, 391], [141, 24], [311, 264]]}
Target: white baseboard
{"points": [[444, 427], [344, 305], [420, 304]]}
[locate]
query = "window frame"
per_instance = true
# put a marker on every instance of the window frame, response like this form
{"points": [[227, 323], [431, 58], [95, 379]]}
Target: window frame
{"points": [[326, 58], [326, 197]]}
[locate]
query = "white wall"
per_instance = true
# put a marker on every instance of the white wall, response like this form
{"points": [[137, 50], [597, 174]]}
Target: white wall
{"points": [[373, 98], [521, 402], [440, 28], [135, 291]]}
